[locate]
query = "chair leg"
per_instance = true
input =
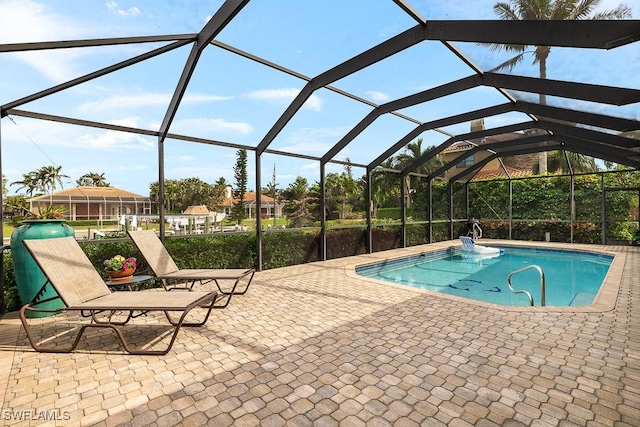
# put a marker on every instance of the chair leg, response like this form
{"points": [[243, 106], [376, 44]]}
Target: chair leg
{"points": [[41, 348], [180, 321], [235, 285], [116, 328]]}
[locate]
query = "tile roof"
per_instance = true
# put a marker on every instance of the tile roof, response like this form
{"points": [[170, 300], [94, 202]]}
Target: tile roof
{"points": [[500, 173], [91, 192], [249, 197]]}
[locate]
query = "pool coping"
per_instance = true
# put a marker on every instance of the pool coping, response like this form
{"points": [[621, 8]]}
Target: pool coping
{"points": [[604, 301]]}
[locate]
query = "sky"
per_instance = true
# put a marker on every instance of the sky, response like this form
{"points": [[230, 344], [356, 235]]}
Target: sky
{"points": [[235, 100]]}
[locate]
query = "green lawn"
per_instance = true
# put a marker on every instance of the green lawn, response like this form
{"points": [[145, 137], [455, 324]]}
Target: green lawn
{"points": [[7, 229]]}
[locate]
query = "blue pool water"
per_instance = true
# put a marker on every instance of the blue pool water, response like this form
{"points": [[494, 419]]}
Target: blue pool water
{"points": [[572, 278]]}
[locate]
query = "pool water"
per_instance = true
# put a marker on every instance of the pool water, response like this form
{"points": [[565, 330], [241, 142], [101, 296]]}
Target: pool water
{"points": [[572, 278]]}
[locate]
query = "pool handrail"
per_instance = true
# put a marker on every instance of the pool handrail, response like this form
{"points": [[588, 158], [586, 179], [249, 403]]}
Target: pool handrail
{"points": [[522, 291]]}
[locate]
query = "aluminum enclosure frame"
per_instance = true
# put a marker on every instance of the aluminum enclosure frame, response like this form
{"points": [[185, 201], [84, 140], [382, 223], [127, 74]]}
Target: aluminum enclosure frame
{"points": [[554, 122]]}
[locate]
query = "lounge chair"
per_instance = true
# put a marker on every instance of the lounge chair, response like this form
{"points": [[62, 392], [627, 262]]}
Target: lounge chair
{"points": [[68, 270], [168, 272]]}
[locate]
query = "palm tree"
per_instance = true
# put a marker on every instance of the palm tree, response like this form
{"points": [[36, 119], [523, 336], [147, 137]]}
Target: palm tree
{"points": [[414, 151], [519, 10], [49, 176], [579, 162], [385, 185], [93, 179], [28, 182]]}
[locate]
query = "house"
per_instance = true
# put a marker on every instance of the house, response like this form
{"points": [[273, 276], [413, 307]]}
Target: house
{"points": [[101, 203], [270, 208], [515, 166]]}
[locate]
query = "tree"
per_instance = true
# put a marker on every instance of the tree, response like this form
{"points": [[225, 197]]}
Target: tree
{"points": [[240, 175], [385, 186], [179, 194], [29, 182], [272, 187], [518, 10], [341, 193], [579, 163], [92, 179], [414, 151], [299, 203], [49, 176]]}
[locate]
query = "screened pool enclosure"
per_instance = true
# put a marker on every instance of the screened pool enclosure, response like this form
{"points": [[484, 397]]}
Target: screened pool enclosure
{"points": [[449, 71]]}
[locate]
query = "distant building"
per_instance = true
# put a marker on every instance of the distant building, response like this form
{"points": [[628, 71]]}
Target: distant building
{"points": [[98, 203], [515, 166], [270, 208]]}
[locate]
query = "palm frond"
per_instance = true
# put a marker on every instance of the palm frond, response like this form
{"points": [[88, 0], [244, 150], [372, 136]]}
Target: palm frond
{"points": [[505, 11], [622, 11], [509, 64]]}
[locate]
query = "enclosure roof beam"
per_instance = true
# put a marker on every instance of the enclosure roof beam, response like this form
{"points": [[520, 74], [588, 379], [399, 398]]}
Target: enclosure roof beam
{"points": [[67, 44], [91, 76], [410, 11], [621, 156], [377, 53], [466, 136], [486, 147], [178, 137], [222, 17], [588, 92], [604, 34], [595, 93], [588, 134], [553, 142], [544, 146], [565, 114]]}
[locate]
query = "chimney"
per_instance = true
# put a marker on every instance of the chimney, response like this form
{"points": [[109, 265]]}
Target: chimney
{"points": [[228, 192], [477, 125]]}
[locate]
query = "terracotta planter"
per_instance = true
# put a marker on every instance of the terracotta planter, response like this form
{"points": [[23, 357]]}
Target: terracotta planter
{"points": [[121, 275]]}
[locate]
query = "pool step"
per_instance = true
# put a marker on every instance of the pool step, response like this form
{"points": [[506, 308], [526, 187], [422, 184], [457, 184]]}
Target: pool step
{"points": [[582, 298]]}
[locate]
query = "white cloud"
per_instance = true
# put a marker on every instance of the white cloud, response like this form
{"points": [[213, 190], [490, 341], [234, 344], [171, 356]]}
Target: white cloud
{"points": [[313, 141], [207, 126], [184, 158], [132, 121], [285, 95], [118, 102], [377, 96], [30, 21], [113, 140], [113, 7]]}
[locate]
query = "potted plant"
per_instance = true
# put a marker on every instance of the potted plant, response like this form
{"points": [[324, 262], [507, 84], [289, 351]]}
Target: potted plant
{"points": [[119, 268]]}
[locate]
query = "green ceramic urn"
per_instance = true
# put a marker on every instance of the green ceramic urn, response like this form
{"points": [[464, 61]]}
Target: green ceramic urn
{"points": [[29, 277]]}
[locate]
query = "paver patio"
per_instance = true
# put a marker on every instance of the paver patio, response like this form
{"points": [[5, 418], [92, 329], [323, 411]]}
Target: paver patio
{"points": [[316, 345]]}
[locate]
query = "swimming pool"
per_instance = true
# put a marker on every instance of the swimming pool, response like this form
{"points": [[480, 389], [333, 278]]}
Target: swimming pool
{"points": [[573, 278]]}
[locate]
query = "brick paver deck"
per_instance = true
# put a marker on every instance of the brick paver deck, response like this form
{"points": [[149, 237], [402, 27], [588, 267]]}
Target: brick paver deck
{"points": [[315, 345]]}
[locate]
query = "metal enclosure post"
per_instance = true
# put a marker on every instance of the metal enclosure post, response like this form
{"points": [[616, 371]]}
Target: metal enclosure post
{"points": [[430, 212], [161, 187], [572, 205], [604, 211], [466, 190], [258, 213], [1, 232], [510, 208], [403, 210], [450, 185], [369, 204], [323, 214]]}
